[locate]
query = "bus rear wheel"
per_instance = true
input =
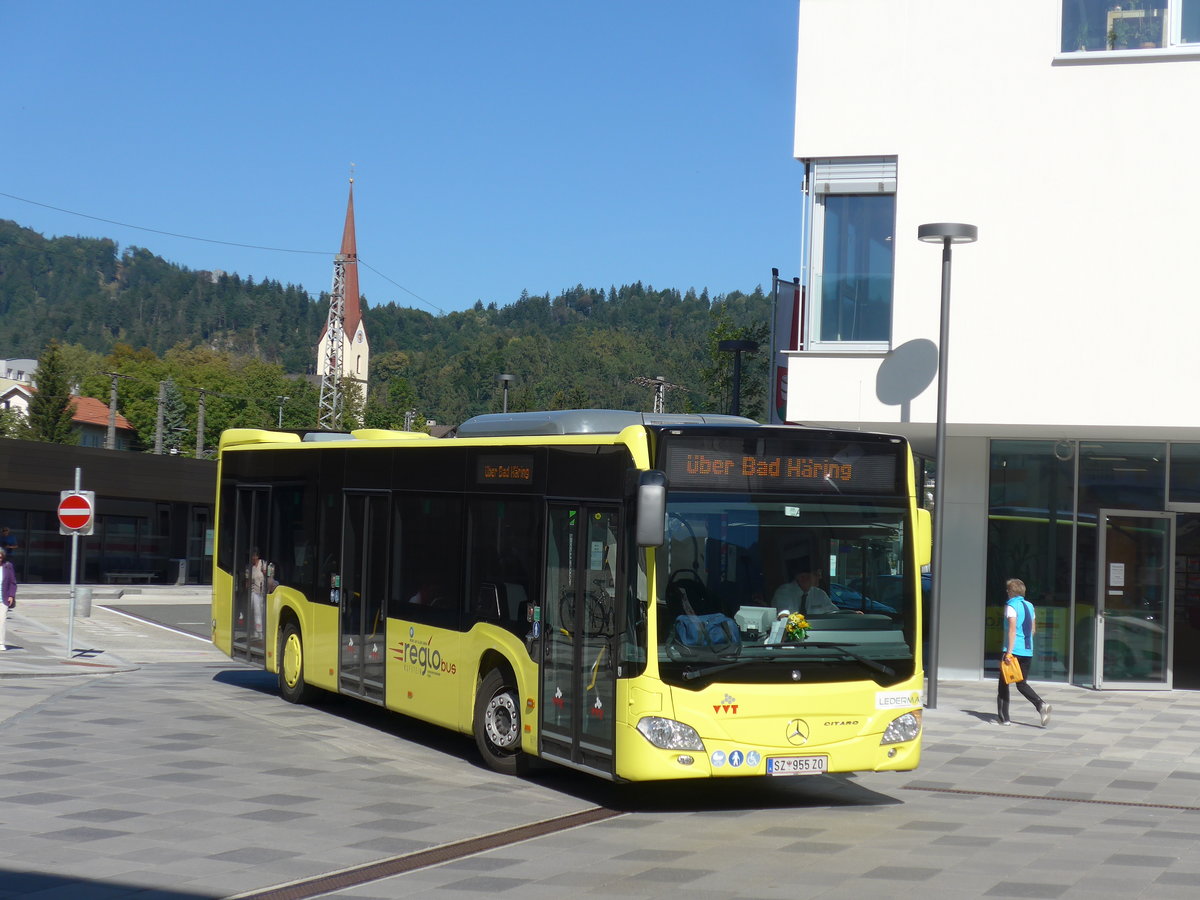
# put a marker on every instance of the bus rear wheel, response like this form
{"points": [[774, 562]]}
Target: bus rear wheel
{"points": [[497, 724], [292, 685]]}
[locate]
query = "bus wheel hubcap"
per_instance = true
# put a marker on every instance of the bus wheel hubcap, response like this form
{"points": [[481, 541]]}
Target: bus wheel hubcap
{"points": [[291, 661], [502, 721]]}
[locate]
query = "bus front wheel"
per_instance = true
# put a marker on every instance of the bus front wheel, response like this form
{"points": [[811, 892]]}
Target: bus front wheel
{"points": [[497, 724], [292, 685]]}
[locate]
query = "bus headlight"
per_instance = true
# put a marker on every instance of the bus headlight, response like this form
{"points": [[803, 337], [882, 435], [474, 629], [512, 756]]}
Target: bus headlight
{"points": [[903, 728], [667, 734]]}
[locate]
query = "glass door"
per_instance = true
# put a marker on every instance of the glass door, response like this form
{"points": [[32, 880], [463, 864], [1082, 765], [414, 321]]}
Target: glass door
{"points": [[1134, 600], [578, 670], [249, 588], [364, 580]]}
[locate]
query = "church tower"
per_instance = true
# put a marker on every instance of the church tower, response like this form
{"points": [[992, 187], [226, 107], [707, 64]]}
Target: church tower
{"points": [[343, 353]]}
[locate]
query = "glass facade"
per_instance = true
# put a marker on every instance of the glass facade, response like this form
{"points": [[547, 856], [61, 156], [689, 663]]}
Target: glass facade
{"points": [[1045, 527], [1030, 534]]}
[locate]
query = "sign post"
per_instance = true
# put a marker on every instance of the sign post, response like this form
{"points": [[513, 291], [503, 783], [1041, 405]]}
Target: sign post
{"points": [[76, 516]]}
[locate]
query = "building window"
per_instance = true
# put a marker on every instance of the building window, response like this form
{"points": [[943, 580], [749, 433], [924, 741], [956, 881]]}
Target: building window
{"points": [[1106, 25], [851, 252]]}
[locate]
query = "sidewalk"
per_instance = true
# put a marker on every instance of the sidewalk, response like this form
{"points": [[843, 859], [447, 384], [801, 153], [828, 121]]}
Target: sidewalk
{"points": [[105, 641], [199, 781]]}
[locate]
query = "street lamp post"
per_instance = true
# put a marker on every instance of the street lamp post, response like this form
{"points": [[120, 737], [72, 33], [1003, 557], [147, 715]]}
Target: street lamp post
{"points": [[282, 400], [505, 380], [737, 348], [946, 234]]}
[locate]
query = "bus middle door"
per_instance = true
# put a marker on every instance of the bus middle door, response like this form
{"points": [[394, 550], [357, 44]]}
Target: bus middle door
{"points": [[578, 670], [249, 574], [363, 647]]}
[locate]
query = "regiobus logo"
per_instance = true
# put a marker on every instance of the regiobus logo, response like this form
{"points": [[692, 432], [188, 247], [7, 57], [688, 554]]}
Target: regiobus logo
{"points": [[423, 657]]}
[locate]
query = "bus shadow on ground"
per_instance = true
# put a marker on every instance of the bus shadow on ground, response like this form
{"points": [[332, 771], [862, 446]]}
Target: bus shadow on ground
{"points": [[15, 883], [732, 794], [695, 795]]}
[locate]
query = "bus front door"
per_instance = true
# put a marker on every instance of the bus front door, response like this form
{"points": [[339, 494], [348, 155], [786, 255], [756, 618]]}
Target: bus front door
{"points": [[578, 671], [363, 587], [249, 581]]}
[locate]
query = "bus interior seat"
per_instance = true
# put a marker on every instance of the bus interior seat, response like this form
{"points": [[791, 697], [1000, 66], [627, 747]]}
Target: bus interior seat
{"points": [[487, 603], [689, 595], [518, 602]]}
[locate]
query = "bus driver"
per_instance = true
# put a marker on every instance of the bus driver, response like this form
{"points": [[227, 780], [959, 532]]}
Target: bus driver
{"points": [[801, 593]]}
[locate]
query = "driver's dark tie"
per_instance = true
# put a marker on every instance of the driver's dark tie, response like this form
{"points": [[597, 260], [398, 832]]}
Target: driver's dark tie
{"points": [[804, 604]]}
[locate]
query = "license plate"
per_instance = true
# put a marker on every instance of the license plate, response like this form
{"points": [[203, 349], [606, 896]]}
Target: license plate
{"points": [[797, 765]]}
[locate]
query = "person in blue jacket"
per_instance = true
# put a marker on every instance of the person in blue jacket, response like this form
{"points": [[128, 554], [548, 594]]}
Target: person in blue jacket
{"points": [[1020, 623]]}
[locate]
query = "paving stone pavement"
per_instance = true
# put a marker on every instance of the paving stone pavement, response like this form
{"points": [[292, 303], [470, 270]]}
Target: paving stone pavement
{"points": [[174, 772]]}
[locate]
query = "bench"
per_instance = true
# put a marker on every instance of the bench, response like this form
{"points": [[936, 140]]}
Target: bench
{"points": [[129, 577]]}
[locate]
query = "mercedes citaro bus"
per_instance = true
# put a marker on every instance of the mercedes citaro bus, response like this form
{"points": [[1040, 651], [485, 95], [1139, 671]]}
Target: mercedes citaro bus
{"points": [[596, 588]]}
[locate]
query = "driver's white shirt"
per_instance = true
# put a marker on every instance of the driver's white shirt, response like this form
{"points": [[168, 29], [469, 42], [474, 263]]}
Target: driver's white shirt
{"points": [[790, 597]]}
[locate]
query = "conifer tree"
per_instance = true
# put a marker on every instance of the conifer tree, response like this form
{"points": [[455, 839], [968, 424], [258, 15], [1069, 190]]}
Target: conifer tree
{"points": [[175, 417], [49, 416]]}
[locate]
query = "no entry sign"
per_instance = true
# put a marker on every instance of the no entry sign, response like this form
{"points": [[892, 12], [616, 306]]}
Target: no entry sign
{"points": [[76, 512]]}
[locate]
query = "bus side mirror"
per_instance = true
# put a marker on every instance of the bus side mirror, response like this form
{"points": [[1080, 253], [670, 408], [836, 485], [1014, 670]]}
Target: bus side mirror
{"points": [[651, 509], [924, 537]]}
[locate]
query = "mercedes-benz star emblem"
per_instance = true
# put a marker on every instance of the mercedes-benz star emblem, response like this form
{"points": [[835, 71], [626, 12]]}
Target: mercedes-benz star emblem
{"points": [[797, 732]]}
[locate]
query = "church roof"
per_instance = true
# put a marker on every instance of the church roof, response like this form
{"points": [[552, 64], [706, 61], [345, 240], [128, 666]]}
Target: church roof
{"points": [[349, 254], [350, 262]]}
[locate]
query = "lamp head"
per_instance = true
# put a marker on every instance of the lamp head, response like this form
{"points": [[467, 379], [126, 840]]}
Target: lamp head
{"points": [[940, 232]]}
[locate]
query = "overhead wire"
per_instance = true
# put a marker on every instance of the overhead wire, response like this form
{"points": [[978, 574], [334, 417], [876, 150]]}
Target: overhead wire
{"points": [[191, 237]]}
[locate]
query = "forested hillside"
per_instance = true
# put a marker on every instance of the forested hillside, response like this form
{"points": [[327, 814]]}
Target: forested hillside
{"points": [[133, 313]]}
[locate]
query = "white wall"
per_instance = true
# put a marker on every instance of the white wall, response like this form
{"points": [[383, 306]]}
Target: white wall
{"points": [[1077, 307]]}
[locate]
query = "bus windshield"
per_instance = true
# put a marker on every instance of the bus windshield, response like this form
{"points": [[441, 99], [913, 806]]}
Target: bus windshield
{"points": [[772, 589]]}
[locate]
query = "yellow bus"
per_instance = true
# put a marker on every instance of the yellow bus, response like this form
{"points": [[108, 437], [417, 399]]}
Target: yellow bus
{"points": [[611, 591]]}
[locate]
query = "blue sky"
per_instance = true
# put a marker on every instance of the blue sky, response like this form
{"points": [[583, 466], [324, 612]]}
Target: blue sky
{"points": [[499, 146]]}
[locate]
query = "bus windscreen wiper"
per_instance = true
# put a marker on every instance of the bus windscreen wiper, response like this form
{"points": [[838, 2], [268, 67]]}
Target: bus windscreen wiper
{"points": [[872, 664], [841, 648], [690, 674], [869, 663]]}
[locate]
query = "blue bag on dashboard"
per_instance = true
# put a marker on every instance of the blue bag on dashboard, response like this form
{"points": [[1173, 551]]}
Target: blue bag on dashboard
{"points": [[714, 631]]}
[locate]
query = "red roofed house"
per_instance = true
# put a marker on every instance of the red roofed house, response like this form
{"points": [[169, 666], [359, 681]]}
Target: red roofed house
{"points": [[90, 418]]}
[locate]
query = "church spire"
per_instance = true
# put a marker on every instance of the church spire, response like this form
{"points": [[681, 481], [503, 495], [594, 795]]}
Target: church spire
{"points": [[343, 353], [350, 261]]}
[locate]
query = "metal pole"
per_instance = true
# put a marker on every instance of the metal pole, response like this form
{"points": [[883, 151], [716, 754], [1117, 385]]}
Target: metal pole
{"points": [[939, 486], [736, 347], [158, 420], [200, 428], [74, 568], [736, 406], [110, 441], [505, 380]]}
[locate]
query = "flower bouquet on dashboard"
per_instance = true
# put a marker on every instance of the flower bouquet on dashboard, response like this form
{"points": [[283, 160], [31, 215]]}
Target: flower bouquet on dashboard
{"points": [[795, 628]]}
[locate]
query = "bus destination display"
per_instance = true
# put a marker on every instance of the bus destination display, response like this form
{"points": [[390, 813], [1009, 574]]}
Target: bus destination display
{"points": [[505, 470], [725, 465]]}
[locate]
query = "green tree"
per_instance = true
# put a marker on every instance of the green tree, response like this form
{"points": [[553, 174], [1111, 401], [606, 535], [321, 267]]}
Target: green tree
{"points": [[50, 408], [12, 423], [175, 417], [717, 373]]}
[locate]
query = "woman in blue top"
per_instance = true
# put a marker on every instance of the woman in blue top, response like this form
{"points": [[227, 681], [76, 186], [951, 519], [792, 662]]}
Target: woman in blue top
{"points": [[1019, 626]]}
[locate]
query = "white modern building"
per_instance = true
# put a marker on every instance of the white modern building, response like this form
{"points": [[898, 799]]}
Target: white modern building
{"points": [[1063, 130]]}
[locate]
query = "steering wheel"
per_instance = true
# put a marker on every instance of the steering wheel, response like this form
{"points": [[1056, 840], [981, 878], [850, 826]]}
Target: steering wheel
{"points": [[676, 517]]}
